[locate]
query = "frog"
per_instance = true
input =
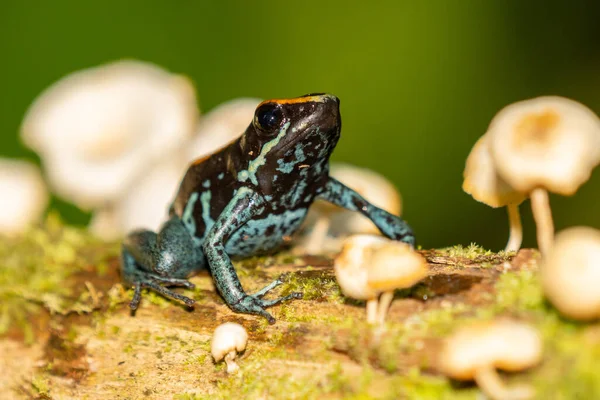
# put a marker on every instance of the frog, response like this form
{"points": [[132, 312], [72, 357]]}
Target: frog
{"points": [[246, 199]]}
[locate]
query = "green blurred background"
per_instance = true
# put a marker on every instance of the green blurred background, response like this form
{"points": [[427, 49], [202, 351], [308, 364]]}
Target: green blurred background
{"points": [[418, 81]]}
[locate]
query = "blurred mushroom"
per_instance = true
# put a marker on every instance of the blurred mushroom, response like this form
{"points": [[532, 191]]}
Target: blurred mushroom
{"points": [[147, 200], [98, 130], [545, 144], [325, 218], [228, 340], [571, 273], [371, 265], [221, 125], [24, 196], [146, 203], [483, 183], [475, 351]]}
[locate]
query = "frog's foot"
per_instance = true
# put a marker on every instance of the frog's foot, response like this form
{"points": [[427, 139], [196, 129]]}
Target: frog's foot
{"points": [[153, 282], [253, 304], [279, 281]]}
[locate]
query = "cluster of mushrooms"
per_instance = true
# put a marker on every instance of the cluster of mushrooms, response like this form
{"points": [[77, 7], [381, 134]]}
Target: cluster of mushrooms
{"points": [[532, 147], [141, 123], [127, 119]]}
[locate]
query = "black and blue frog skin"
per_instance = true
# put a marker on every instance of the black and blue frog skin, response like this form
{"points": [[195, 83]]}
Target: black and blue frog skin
{"points": [[247, 199]]}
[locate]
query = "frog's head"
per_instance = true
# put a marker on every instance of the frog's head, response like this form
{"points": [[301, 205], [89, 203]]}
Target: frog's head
{"points": [[287, 135]]}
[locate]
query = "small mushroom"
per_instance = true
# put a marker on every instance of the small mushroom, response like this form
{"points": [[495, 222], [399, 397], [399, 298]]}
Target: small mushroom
{"points": [[475, 351], [98, 130], [221, 125], [325, 218], [371, 267], [545, 144], [228, 340], [24, 196], [481, 181], [571, 273]]}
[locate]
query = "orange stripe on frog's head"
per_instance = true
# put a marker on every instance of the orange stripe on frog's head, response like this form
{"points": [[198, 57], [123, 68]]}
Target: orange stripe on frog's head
{"points": [[313, 97]]}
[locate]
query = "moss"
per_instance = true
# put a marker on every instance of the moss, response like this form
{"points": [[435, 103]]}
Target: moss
{"points": [[35, 272], [255, 265], [471, 252], [519, 291], [314, 285]]}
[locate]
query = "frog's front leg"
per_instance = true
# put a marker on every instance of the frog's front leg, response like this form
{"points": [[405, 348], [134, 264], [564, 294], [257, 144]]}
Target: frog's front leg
{"points": [[244, 205], [150, 260], [390, 225]]}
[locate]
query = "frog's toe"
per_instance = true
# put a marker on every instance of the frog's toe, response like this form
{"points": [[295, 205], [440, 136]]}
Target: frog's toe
{"points": [[175, 282], [137, 294], [279, 281], [255, 305], [291, 296], [252, 305]]}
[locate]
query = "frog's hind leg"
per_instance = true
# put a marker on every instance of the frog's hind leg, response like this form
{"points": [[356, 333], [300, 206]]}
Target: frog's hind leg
{"points": [[153, 261]]}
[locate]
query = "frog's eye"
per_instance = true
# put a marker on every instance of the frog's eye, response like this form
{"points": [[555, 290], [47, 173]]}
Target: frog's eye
{"points": [[268, 117]]}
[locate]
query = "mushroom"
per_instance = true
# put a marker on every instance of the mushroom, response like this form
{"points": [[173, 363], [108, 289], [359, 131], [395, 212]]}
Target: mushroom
{"points": [[228, 340], [545, 144], [221, 125], [371, 266], [483, 183], [146, 203], [147, 200], [571, 273], [24, 196], [98, 130], [325, 217], [475, 351]]}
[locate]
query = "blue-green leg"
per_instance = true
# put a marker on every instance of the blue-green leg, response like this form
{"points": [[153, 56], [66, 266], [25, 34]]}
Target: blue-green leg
{"points": [[390, 225], [244, 205], [150, 260]]}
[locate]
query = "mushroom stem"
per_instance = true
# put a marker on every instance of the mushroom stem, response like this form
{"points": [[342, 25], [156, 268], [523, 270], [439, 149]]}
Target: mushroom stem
{"points": [[232, 367], [515, 237], [384, 304], [372, 311], [318, 235], [540, 205], [490, 383]]}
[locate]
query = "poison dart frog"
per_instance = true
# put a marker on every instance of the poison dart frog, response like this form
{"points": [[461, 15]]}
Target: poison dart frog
{"points": [[247, 199]]}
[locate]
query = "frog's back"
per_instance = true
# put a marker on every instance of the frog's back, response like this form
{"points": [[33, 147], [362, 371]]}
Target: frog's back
{"points": [[206, 189]]}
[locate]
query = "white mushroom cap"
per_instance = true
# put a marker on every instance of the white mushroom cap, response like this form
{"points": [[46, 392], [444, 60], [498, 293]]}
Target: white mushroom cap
{"points": [[481, 179], [24, 196], [371, 264], [351, 266], [228, 337], [96, 130], [503, 343], [571, 273], [222, 125], [146, 203], [395, 265], [373, 186], [549, 142]]}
